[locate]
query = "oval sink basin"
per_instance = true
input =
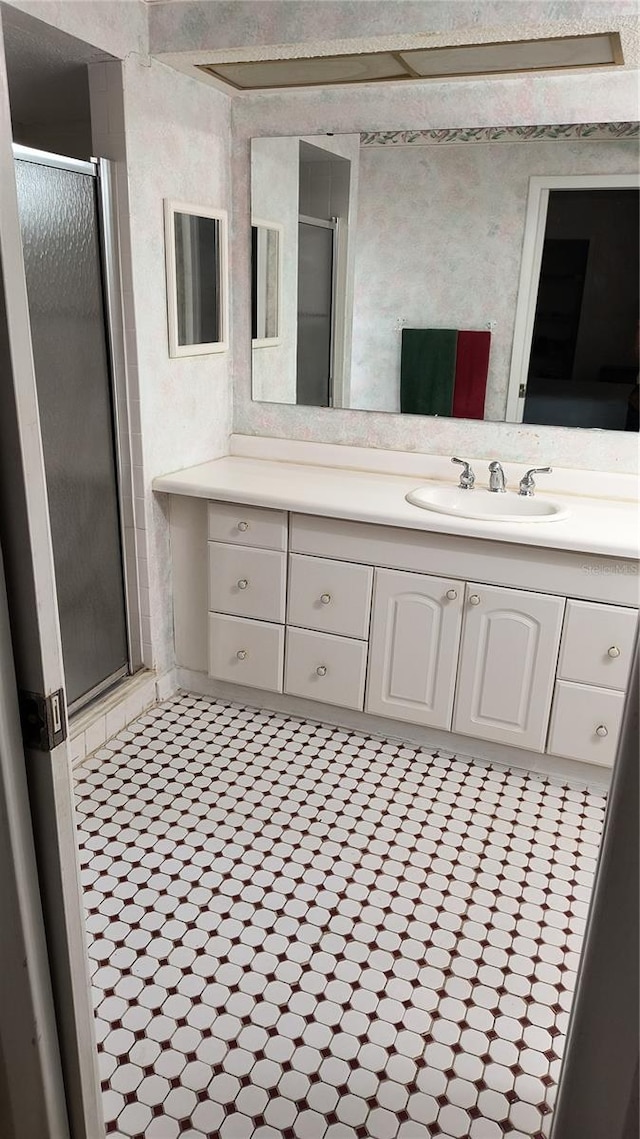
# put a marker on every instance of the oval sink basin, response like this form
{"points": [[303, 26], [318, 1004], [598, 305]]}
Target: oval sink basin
{"points": [[486, 505]]}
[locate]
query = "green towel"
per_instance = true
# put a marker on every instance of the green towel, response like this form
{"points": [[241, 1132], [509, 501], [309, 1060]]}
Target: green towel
{"points": [[427, 370]]}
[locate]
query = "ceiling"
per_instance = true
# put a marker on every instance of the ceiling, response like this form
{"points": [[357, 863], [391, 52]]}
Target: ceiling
{"points": [[46, 70], [271, 45]]}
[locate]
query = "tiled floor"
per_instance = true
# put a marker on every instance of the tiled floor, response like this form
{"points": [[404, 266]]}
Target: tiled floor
{"points": [[298, 931]]}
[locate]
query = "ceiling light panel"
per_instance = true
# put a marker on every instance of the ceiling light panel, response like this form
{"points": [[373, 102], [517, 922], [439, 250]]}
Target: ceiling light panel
{"points": [[602, 50], [529, 55], [320, 71]]}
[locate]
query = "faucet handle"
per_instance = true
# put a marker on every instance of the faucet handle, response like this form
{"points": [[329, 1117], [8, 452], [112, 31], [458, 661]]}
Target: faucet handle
{"points": [[527, 483], [467, 477]]}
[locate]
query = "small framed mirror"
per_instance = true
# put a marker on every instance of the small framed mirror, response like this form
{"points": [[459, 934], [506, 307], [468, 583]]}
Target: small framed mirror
{"points": [[196, 254], [266, 283]]}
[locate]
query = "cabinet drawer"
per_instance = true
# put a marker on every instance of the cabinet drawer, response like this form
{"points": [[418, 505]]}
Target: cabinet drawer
{"points": [[578, 712], [247, 582], [323, 667], [597, 644], [246, 652], [248, 525], [333, 597]]}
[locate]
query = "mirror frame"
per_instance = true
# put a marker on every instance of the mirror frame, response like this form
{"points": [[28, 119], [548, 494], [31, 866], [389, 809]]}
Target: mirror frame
{"points": [[272, 341], [176, 350]]}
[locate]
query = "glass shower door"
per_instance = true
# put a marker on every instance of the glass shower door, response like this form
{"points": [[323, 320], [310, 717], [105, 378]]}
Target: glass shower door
{"points": [[315, 312], [60, 232]]}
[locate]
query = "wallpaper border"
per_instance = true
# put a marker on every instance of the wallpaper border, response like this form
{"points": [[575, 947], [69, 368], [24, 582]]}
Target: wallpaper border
{"points": [[592, 132]]}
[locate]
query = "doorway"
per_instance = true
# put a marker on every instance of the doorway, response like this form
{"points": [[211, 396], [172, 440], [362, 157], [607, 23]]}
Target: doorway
{"points": [[575, 343], [60, 219]]}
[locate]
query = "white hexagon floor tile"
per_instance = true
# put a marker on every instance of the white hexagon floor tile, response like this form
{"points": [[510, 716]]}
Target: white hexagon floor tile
{"points": [[303, 932]]}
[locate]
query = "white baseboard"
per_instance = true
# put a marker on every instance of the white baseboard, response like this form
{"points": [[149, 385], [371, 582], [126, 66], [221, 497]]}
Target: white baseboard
{"points": [[93, 726], [567, 771]]}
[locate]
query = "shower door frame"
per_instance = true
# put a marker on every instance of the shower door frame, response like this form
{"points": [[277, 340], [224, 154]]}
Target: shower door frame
{"points": [[103, 171]]}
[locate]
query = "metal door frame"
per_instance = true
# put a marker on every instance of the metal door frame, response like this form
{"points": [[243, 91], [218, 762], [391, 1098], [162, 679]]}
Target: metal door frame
{"points": [[104, 173]]}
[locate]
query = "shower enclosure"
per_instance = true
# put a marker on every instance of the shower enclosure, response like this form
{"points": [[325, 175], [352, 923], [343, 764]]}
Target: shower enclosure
{"points": [[64, 227]]}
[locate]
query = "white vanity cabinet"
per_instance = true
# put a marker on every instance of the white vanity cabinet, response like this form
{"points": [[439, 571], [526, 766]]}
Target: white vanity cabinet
{"points": [[507, 665], [413, 655], [247, 574], [518, 647], [593, 671]]}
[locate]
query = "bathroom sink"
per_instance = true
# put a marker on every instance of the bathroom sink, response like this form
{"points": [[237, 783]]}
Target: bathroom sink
{"points": [[485, 505]]}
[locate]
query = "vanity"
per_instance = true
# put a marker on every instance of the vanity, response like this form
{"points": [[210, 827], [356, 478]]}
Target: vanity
{"points": [[322, 591]]}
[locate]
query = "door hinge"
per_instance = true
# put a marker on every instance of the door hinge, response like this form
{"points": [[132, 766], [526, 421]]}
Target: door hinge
{"points": [[522, 391], [43, 720]]}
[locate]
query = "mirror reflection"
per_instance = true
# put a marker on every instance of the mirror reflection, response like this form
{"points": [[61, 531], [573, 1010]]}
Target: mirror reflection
{"points": [[583, 364], [196, 289], [265, 284], [402, 255]]}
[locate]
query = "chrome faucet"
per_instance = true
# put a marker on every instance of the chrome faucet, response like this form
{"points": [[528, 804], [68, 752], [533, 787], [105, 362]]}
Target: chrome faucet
{"points": [[497, 481], [467, 477], [527, 485]]}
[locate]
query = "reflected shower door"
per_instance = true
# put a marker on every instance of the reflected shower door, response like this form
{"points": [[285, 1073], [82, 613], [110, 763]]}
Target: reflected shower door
{"points": [[315, 312], [60, 235]]}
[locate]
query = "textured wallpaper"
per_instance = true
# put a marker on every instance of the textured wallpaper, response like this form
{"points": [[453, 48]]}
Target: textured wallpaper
{"points": [[177, 134]]}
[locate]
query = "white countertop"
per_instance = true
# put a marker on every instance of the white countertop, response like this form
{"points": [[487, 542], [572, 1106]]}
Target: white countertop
{"points": [[594, 525]]}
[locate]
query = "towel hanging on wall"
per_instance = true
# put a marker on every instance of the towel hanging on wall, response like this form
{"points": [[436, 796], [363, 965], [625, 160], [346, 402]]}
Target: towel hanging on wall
{"points": [[427, 370], [472, 368], [444, 371]]}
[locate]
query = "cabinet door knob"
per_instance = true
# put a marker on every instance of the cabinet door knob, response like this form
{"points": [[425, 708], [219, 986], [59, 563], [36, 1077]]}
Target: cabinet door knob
{"points": [[242, 654], [601, 730], [243, 583], [243, 526], [614, 651], [325, 598], [474, 599], [452, 594], [321, 670]]}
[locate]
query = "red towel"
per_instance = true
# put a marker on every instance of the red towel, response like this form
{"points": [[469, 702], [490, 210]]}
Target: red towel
{"points": [[472, 366]]}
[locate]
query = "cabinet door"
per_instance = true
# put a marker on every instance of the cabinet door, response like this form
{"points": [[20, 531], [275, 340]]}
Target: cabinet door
{"points": [[414, 647], [507, 668]]}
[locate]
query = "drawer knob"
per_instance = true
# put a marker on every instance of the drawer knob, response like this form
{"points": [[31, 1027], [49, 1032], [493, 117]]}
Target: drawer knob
{"points": [[326, 598], [614, 651], [601, 730], [321, 670], [242, 654], [474, 599], [243, 526], [243, 583], [452, 594]]}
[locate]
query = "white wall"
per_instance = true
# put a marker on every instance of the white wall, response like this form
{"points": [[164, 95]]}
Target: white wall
{"points": [[439, 244], [177, 139], [115, 26], [523, 100], [216, 25]]}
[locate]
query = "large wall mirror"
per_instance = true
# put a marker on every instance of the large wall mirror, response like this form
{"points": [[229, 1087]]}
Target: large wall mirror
{"points": [[196, 258], [489, 273]]}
